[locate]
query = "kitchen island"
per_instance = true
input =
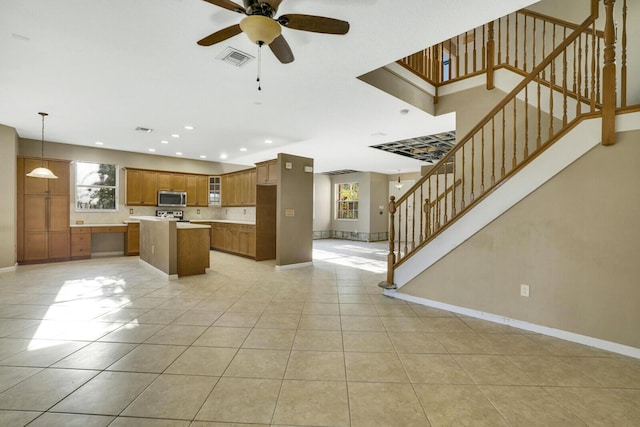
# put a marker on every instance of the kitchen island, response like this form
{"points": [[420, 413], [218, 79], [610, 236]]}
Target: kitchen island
{"points": [[174, 248]]}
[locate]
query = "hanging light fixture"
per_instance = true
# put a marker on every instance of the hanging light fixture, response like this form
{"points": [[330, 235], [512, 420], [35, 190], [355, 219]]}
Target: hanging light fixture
{"points": [[42, 172], [399, 184]]}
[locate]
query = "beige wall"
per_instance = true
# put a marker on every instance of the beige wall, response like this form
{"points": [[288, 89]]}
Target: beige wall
{"points": [[295, 196], [158, 245], [574, 241], [321, 202], [8, 150]]}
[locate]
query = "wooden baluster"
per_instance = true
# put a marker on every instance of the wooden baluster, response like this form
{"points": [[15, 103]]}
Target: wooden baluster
{"points": [[586, 66], [427, 216], [482, 165], [484, 46], [464, 166], [516, 46], [474, 51], [442, 61], [466, 54], [526, 122], [544, 46], [507, 31], [437, 201], [592, 94], [564, 88], [490, 57], [473, 167], [533, 61], [446, 175], [575, 75], [579, 82], [598, 83], [458, 55], [514, 161], [413, 223], [623, 70], [499, 41], [553, 37], [493, 151], [406, 226], [504, 124], [539, 109], [391, 257], [453, 199], [553, 79], [399, 232], [609, 78], [524, 49]]}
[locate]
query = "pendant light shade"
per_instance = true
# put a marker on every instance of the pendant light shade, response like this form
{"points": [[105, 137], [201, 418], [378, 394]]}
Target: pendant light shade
{"points": [[42, 172], [260, 28]]}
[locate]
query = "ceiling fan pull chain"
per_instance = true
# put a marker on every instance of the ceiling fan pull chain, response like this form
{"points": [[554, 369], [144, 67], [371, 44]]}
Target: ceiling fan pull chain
{"points": [[259, 64]]}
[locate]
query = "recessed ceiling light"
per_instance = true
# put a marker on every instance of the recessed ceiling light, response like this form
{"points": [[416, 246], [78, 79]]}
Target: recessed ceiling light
{"points": [[178, 153], [223, 156], [188, 127], [99, 143], [175, 135], [268, 141], [164, 142], [404, 111], [152, 150], [243, 149], [203, 157]]}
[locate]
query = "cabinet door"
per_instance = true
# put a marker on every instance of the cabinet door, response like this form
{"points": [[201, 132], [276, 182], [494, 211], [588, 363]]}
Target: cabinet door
{"points": [[178, 182], [217, 236], [149, 188], [202, 191], [36, 246], [262, 173], [59, 244], [35, 213], [58, 211], [80, 244], [133, 195], [60, 186], [164, 181], [251, 199], [231, 190], [192, 190], [224, 185], [133, 239], [272, 176]]}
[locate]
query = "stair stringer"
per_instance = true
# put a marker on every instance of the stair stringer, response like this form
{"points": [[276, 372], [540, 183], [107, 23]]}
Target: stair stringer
{"points": [[570, 147]]}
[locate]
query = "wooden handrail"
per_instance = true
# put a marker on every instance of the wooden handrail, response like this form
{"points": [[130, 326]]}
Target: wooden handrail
{"points": [[554, 20]]}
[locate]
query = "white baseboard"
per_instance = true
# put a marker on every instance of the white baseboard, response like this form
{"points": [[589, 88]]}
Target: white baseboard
{"points": [[8, 269], [157, 270], [292, 266], [544, 330]]}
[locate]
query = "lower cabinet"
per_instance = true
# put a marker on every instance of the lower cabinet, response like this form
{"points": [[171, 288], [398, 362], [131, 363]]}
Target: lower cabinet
{"points": [[132, 239], [239, 239], [80, 242]]}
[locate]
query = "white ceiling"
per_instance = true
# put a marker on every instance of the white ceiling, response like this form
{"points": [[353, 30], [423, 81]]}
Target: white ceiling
{"points": [[100, 68]]}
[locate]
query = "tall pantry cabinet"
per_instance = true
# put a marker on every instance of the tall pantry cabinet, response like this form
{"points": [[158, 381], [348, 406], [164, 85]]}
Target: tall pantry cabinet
{"points": [[43, 212]]}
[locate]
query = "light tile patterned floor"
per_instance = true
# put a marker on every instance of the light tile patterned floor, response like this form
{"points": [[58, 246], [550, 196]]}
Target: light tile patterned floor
{"points": [[107, 342]]}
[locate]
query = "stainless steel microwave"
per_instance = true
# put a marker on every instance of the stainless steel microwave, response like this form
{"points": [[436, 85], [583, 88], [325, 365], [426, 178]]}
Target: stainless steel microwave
{"points": [[172, 199]]}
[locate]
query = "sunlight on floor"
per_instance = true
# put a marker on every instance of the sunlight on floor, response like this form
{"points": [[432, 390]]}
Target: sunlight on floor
{"points": [[350, 260]]}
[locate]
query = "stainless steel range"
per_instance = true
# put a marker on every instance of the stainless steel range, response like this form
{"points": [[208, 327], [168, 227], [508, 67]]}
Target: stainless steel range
{"points": [[171, 214]]}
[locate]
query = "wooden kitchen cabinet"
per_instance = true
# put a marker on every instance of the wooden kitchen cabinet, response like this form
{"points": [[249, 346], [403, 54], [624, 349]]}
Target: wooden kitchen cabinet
{"points": [[141, 187], [170, 181], [238, 188], [197, 187], [43, 212], [267, 172], [132, 239], [238, 239], [80, 242]]}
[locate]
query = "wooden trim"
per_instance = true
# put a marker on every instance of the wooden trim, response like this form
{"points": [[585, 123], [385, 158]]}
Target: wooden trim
{"points": [[556, 21]]}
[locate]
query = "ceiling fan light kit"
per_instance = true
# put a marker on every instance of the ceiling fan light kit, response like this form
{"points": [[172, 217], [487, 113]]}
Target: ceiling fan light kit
{"points": [[260, 29]]}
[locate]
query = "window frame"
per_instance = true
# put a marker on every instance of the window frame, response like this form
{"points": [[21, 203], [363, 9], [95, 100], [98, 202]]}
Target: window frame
{"points": [[351, 203], [114, 188]]}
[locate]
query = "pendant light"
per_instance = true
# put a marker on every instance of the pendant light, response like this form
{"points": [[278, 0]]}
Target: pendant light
{"points": [[42, 172], [399, 184]]}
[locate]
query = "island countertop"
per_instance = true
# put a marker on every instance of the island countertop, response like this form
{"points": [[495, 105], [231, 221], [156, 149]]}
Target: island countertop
{"points": [[226, 221]]}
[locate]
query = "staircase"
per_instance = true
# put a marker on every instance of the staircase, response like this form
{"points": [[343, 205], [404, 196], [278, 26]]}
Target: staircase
{"points": [[563, 105]]}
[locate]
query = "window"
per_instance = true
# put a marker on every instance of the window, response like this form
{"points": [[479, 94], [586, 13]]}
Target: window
{"points": [[96, 187], [347, 201], [214, 190]]}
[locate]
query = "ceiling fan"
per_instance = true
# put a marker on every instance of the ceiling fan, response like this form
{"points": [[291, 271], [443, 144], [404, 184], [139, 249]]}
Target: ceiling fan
{"points": [[262, 28]]}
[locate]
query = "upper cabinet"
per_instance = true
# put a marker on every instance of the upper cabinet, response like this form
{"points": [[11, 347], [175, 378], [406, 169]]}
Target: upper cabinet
{"points": [[239, 188], [267, 172], [142, 187]]}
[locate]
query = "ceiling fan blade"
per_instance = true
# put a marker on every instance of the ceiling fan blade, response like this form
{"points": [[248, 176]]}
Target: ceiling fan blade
{"points": [[227, 4], [316, 24], [221, 35], [281, 50]]}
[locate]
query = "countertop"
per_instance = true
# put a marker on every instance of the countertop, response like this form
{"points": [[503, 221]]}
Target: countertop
{"points": [[227, 221], [189, 226], [117, 224]]}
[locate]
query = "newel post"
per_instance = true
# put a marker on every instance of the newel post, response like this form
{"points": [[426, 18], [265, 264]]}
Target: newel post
{"points": [[609, 98], [391, 258], [491, 47]]}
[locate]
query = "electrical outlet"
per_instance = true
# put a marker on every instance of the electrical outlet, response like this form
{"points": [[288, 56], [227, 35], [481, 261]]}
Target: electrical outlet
{"points": [[524, 291], [130, 211], [153, 249]]}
